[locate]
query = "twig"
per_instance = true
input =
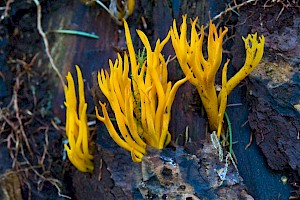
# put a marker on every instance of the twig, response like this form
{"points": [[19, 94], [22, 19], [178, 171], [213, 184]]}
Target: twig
{"points": [[100, 170], [109, 11], [16, 125], [2, 76], [247, 121], [229, 9], [234, 104], [170, 59], [27, 66], [6, 9], [250, 142], [16, 107], [41, 160], [42, 33]]}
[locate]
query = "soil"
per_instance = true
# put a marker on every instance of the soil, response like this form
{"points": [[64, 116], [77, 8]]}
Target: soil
{"points": [[32, 115]]}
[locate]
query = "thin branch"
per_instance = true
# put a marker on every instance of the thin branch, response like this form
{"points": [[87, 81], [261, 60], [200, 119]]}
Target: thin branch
{"points": [[250, 142], [229, 9], [42, 33], [6, 9]]}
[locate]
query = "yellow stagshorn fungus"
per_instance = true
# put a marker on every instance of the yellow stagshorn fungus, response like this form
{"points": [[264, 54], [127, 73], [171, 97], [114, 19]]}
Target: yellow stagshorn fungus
{"points": [[77, 130], [191, 59], [142, 103]]}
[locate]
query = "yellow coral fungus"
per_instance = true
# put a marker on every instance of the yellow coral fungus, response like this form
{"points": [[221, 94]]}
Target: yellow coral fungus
{"points": [[254, 53], [77, 130], [191, 59], [142, 103]]}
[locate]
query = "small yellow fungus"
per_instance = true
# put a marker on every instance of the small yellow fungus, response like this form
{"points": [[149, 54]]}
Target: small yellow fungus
{"points": [[191, 60], [77, 130], [141, 104]]}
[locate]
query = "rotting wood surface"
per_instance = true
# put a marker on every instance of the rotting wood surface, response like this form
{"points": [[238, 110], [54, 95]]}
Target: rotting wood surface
{"points": [[93, 55]]}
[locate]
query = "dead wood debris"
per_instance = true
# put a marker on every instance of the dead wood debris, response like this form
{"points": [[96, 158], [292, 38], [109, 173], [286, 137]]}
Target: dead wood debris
{"points": [[284, 3], [25, 132]]}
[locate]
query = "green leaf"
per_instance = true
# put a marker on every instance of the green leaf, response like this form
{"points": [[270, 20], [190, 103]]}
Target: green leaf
{"points": [[74, 32]]}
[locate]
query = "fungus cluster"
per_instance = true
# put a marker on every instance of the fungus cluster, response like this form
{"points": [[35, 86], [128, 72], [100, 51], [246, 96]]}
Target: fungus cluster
{"points": [[192, 60], [141, 97], [142, 102], [77, 130]]}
